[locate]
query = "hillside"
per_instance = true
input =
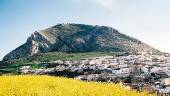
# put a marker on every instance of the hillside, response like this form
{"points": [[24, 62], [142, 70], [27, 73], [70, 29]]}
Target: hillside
{"points": [[58, 86], [76, 38]]}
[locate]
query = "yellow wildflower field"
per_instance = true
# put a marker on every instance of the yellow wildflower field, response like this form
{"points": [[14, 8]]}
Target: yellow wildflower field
{"points": [[27, 85]]}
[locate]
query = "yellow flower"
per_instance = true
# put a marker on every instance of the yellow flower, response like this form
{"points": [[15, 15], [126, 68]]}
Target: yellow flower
{"points": [[59, 86]]}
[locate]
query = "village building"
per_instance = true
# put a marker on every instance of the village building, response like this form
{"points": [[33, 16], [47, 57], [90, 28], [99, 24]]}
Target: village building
{"points": [[121, 71]]}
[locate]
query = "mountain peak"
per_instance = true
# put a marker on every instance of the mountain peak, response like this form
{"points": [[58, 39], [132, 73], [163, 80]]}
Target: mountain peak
{"points": [[78, 38]]}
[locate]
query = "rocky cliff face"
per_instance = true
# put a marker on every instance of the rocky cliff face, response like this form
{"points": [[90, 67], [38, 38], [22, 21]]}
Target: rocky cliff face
{"points": [[78, 38], [35, 44]]}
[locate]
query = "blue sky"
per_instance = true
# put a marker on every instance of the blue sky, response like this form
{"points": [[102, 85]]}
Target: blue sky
{"points": [[146, 20]]}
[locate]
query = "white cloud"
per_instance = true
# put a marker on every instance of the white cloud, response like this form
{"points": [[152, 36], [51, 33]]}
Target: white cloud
{"points": [[105, 3]]}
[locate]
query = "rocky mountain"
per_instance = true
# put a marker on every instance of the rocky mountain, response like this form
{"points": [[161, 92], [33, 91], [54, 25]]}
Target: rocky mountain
{"points": [[78, 38]]}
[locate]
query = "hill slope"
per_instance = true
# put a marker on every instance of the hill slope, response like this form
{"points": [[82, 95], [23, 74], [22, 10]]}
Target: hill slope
{"points": [[73, 38]]}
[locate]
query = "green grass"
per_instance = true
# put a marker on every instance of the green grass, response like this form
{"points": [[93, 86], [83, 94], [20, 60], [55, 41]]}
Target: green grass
{"points": [[52, 56]]}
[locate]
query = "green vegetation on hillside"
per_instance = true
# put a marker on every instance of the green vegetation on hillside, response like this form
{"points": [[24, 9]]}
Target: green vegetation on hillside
{"points": [[52, 56]]}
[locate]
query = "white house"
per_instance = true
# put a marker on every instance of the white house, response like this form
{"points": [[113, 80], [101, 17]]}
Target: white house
{"points": [[155, 69], [122, 65], [121, 71], [92, 62], [25, 69]]}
